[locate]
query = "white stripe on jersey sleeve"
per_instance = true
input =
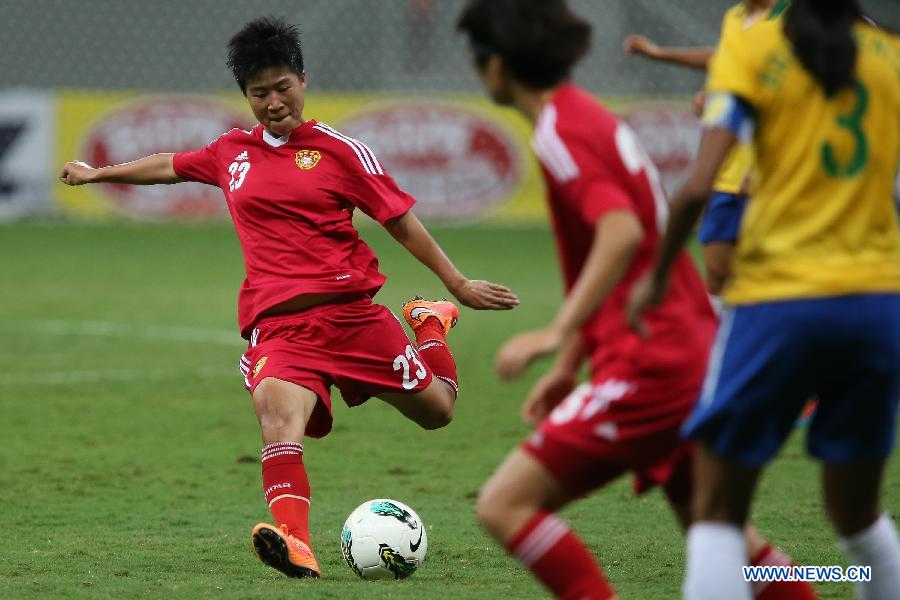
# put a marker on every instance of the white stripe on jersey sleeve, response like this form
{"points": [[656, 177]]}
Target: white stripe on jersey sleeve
{"points": [[355, 149], [548, 159], [551, 149], [365, 156], [367, 152]]}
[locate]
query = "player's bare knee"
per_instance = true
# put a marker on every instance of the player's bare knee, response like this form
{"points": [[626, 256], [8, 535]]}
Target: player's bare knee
{"points": [[489, 507], [501, 512], [437, 410], [278, 420], [279, 430], [436, 418]]}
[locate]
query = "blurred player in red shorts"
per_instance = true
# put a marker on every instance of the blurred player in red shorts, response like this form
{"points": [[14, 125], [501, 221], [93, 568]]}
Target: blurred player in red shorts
{"points": [[306, 307], [608, 208]]}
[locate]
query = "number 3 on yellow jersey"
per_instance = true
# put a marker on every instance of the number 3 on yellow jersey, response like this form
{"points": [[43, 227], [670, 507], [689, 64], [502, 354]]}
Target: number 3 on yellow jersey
{"points": [[852, 122]]}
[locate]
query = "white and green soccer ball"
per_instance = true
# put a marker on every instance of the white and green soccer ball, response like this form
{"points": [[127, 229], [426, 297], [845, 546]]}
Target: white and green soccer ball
{"points": [[384, 539]]}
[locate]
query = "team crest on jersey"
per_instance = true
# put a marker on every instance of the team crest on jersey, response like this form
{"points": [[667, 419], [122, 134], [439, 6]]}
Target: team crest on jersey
{"points": [[307, 159], [259, 365]]}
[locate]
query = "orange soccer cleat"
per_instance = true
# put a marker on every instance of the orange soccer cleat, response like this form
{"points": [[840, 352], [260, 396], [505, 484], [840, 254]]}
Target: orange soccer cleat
{"points": [[282, 551], [417, 310]]}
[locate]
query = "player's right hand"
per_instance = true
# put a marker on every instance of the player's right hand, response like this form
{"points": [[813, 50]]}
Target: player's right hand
{"points": [[640, 44], [77, 173], [647, 292], [484, 295], [549, 391]]}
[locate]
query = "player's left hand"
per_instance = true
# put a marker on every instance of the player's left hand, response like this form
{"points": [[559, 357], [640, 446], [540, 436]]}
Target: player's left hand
{"points": [[519, 352], [484, 295], [646, 292]]}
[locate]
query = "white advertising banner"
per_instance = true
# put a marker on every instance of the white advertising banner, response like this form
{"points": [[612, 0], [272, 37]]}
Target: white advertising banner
{"points": [[27, 142]]}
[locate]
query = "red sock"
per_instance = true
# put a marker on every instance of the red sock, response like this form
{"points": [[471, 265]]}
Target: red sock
{"points": [[779, 590], [434, 350], [559, 559], [287, 487]]}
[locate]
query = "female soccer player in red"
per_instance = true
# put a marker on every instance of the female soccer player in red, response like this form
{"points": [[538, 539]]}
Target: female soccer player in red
{"points": [[306, 308], [608, 209], [813, 306]]}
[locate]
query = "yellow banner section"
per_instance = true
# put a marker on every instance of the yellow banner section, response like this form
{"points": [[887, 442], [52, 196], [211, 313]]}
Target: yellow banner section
{"points": [[463, 158], [76, 114], [114, 127], [460, 157]]}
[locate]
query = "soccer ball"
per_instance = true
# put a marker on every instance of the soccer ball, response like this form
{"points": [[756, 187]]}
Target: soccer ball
{"points": [[384, 539]]}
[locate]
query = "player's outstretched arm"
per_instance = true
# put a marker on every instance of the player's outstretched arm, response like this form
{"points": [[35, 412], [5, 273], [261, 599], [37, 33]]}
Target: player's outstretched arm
{"points": [[694, 58], [618, 235], [156, 168], [474, 293]]}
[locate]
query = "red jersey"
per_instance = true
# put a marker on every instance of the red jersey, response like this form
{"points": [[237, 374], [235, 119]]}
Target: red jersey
{"points": [[291, 200], [593, 164]]}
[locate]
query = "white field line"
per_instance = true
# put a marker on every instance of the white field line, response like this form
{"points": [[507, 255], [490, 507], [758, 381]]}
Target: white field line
{"points": [[118, 330], [77, 377], [173, 333]]}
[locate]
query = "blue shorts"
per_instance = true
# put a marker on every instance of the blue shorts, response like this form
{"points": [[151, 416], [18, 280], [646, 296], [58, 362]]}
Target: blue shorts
{"points": [[770, 358], [722, 218]]}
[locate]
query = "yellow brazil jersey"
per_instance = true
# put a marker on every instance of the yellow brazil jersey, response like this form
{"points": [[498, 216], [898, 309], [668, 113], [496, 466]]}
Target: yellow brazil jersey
{"points": [[739, 162], [822, 221], [736, 168]]}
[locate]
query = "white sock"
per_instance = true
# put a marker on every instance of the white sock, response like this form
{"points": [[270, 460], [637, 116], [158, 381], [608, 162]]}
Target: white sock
{"points": [[715, 554], [877, 547]]}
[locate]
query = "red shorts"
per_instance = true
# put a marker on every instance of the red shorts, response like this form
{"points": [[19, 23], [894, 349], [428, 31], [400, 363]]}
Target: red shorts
{"points": [[593, 437], [358, 346]]}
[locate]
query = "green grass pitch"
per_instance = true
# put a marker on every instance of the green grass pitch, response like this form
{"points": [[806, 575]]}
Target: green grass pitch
{"points": [[129, 462]]}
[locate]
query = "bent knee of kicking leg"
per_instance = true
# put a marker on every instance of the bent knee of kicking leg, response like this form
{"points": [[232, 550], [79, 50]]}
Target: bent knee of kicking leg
{"points": [[437, 418], [440, 412], [436, 408]]}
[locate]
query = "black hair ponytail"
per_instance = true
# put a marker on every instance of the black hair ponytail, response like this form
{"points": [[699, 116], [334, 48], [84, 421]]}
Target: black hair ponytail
{"points": [[821, 32]]}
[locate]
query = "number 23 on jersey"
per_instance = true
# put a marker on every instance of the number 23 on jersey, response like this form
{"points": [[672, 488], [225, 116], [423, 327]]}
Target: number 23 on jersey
{"points": [[238, 172]]}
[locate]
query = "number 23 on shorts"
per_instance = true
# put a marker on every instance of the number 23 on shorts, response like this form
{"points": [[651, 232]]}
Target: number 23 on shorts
{"points": [[402, 362]]}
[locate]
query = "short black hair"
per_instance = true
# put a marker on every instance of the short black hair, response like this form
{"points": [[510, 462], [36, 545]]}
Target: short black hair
{"points": [[264, 43], [539, 40]]}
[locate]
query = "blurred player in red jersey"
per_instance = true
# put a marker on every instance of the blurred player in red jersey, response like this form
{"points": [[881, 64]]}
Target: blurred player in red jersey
{"points": [[608, 208], [305, 306]]}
